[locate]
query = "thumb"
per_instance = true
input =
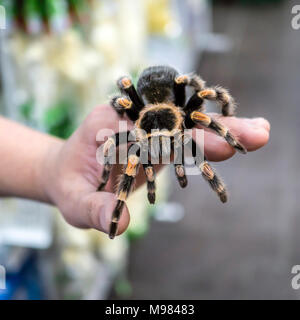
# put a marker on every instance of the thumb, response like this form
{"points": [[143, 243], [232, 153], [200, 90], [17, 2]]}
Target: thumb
{"points": [[98, 207]]}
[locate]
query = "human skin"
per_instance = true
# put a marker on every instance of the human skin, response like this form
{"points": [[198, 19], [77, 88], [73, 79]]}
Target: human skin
{"points": [[65, 173]]}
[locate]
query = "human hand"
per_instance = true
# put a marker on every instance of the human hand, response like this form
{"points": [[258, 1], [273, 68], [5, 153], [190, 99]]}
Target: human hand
{"points": [[72, 171]]}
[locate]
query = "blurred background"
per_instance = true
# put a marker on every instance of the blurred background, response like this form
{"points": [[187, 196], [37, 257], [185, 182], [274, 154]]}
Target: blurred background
{"points": [[60, 58]]}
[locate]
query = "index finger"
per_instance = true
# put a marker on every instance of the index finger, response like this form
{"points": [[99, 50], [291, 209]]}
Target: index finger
{"points": [[252, 133]]}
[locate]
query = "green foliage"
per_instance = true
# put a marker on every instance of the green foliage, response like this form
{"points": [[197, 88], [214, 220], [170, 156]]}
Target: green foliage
{"points": [[8, 5], [58, 120], [78, 5], [123, 287], [31, 8], [26, 110]]}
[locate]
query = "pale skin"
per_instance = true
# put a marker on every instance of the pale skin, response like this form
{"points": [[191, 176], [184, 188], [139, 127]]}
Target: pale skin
{"points": [[66, 174]]}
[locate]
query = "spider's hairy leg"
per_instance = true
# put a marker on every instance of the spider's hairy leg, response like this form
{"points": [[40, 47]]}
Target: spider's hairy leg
{"points": [[123, 104], [212, 178], [179, 91], [191, 80], [124, 187], [194, 103], [208, 122], [126, 87], [180, 174], [181, 81], [208, 172], [148, 169], [222, 97], [150, 176], [109, 147], [179, 162]]}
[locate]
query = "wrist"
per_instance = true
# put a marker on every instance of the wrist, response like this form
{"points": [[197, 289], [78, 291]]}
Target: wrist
{"points": [[47, 172]]}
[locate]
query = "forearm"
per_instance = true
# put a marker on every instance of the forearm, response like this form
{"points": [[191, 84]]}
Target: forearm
{"points": [[24, 158]]}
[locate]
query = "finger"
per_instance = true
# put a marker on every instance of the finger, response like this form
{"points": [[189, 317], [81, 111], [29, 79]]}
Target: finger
{"points": [[105, 118], [98, 208], [252, 133]]}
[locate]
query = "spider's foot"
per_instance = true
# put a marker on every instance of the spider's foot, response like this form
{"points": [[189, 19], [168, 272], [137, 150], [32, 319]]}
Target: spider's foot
{"points": [[182, 181], [124, 102], [240, 148], [223, 197], [235, 143], [182, 79], [101, 186], [113, 229], [124, 83], [181, 177], [151, 197]]}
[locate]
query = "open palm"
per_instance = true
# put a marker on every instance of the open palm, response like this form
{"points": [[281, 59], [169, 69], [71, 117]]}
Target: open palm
{"points": [[73, 174]]}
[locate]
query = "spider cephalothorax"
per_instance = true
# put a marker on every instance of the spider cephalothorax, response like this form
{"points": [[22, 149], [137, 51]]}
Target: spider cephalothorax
{"points": [[160, 112]]}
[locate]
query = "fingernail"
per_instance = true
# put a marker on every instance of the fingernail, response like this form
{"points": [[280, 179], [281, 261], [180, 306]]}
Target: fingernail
{"points": [[106, 212], [264, 123], [259, 122]]}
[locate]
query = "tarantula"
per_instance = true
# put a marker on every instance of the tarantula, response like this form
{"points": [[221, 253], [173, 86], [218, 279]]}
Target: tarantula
{"points": [[159, 109]]}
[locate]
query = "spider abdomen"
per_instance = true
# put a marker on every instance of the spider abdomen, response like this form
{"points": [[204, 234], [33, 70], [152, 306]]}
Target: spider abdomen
{"points": [[160, 117]]}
